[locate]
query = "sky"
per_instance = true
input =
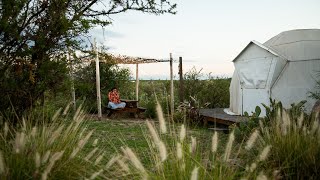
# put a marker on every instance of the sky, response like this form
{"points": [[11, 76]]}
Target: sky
{"points": [[207, 34]]}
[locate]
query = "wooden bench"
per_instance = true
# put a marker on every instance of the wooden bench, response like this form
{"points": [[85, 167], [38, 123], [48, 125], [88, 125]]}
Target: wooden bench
{"points": [[131, 107]]}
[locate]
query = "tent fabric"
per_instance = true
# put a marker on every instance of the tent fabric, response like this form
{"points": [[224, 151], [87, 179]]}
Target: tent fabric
{"points": [[253, 65], [235, 94], [256, 43], [279, 66], [297, 45], [254, 73], [283, 68], [295, 85], [253, 68]]}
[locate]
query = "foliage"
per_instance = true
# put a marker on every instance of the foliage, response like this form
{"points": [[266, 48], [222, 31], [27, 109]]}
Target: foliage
{"points": [[35, 36], [192, 83], [294, 137], [296, 110], [275, 107], [296, 145], [189, 115], [272, 110], [150, 106], [284, 147], [174, 155], [111, 75], [214, 91], [19, 88], [245, 128], [149, 92], [53, 150]]}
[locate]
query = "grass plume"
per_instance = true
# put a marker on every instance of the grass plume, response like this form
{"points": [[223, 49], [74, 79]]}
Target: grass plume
{"points": [[162, 122], [214, 143], [252, 140], [228, 149]]}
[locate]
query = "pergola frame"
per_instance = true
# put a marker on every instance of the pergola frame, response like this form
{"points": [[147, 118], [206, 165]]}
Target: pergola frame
{"points": [[121, 59]]}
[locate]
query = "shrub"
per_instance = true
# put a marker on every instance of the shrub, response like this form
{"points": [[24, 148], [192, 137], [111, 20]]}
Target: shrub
{"points": [[150, 106], [23, 86], [294, 137], [296, 144], [213, 91], [110, 75], [151, 91], [245, 128], [54, 150]]}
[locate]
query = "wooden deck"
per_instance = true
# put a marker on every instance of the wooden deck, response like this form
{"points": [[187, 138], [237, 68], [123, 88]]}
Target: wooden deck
{"points": [[217, 115]]}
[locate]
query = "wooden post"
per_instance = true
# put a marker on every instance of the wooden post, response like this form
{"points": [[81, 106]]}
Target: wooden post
{"points": [[181, 89], [137, 82], [98, 81], [73, 93], [171, 88]]}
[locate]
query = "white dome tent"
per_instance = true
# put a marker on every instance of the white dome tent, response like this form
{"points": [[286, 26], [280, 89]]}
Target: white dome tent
{"points": [[283, 68]]}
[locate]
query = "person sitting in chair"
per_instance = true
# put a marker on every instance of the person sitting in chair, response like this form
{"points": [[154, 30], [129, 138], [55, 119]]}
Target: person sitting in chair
{"points": [[114, 99]]}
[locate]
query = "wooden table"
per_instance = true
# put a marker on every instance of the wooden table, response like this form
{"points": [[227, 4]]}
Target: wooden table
{"points": [[131, 107], [130, 103]]}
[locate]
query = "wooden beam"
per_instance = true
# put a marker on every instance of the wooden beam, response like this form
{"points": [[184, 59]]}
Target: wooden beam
{"points": [[98, 81], [181, 89], [73, 93], [137, 82], [216, 120], [171, 88]]}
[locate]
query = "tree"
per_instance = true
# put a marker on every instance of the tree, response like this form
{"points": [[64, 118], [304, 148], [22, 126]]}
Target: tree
{"points": [[34, 36], [111, 76]]}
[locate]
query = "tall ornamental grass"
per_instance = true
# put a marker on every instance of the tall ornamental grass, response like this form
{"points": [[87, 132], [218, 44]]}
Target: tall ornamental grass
{"points": [[173, 154], [295, 144], [286, 147], [48, 151]]}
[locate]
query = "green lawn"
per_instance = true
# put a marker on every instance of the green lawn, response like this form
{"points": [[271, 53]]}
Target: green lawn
{"points": [[122, 147], [117, 132]]}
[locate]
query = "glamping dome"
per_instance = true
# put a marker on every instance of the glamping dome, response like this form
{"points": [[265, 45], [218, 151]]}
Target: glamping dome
{"points": [[297, 45], [283, 68]]}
